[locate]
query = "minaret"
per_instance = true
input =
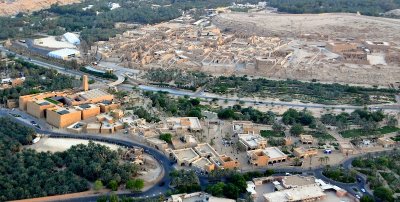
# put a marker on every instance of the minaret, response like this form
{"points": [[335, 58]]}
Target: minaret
{"points": [[85, 83]]}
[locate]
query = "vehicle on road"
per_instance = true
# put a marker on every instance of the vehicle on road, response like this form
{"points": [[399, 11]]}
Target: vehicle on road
{"points": [[363, 190], [15, 115]]}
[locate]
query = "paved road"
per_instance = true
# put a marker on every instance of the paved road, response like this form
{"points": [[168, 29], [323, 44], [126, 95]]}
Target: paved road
{"points": [[180, 92], [164, 161], [168, 165]]}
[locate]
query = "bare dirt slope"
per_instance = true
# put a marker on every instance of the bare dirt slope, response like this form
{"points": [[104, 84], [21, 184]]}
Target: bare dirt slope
{"points": [[342, 25], [14, 7]]}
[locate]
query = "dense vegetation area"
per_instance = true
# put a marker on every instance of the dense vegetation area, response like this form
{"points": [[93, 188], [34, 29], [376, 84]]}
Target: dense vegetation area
{"points": [[38, 79], [368, 123], [142, 113], [247, 114], [339, 174], [25, 173], [381, 171], [181, 107], [365, 7], [287, 90], [184, 181], [235, 183], [177, 78], [106, 75]]}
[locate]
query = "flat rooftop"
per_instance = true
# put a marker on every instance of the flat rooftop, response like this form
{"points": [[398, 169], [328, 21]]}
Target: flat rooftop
{"points": [[274, 152], [63, 110], [251, 139], [301, 193], [205, 149], [303, 150], [185, 154], [192, 122], [85, 106], [306, 137], [346, 145], [93, 94], [201, 162], [42, 102], [387, 140], [156, 141], [93, 126], [297, 180]]}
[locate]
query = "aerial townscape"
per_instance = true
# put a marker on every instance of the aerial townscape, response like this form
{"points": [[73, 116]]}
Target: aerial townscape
{"points": [[200, 100]]}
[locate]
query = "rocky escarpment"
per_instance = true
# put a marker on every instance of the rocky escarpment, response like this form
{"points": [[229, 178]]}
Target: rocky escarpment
{"points": [[13, 7]]}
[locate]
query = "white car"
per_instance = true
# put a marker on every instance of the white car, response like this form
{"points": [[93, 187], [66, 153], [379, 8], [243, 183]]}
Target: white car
{"points": [[363, 190], [358, 196]]}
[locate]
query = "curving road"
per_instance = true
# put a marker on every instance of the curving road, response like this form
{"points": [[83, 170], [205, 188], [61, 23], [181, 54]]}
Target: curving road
{"points": [[167, 165], [164, 161], [179, 92]]}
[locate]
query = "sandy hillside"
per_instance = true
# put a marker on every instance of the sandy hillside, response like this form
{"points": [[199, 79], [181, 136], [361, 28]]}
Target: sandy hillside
{"points": [[16, 6]]}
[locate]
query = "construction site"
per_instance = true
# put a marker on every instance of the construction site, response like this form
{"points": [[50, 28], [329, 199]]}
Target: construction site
{"points": [[324, 47]]}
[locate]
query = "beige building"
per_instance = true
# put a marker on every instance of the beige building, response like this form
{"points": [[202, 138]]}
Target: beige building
{"points": [[90, 96], [306, 139], [157, 143], [346, 148], [252, 141], [93, 127], [184, 157], [88, 110], [386, 142], [62, 117], [184, 141], [220, 161], [203, 164], [197, 197], [107, 106], [12, 103], [263, 157], [23, 100], [243, 127], [339, 47], [302, 152], [311, 192], [38, 108], [184, 124], [78, 127]]}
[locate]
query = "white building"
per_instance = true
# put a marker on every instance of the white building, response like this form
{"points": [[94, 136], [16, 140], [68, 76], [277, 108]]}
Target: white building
{"points": [[64, 54], [72, 38]]}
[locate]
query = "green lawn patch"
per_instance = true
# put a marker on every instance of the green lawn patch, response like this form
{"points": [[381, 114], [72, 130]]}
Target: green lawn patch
{"points": [[353, 133], [388, 129], [52, 101], [323, 136], [360, 132], [397, 138], [271, 133]]}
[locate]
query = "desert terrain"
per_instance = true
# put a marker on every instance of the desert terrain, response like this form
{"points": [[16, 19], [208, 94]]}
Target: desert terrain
{"points": [[331, 25], [14, 7]]}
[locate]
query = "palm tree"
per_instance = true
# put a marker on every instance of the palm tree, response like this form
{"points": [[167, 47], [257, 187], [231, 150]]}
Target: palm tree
{"points": [[326, 159], [321, 159], [296, 161]]}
